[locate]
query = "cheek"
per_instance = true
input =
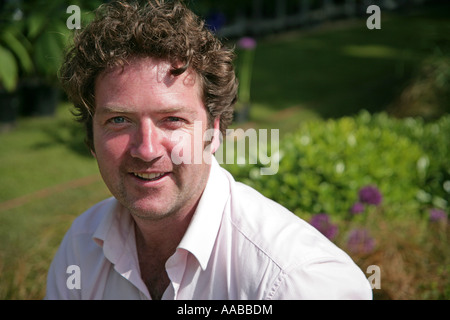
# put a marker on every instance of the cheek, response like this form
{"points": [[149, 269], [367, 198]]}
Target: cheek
{"points": [[111, 148], [189, 146], [180, 146]]}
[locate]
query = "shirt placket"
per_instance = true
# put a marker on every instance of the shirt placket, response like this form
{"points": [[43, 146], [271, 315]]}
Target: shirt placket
{"points": [[175, 267]]}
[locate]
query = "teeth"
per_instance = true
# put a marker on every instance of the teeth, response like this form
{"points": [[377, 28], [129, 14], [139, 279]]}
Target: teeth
{"points": [[148, 176]]}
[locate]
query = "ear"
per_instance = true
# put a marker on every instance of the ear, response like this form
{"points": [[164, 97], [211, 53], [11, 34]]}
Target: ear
{"points": [[215, 142], [93, 153]]}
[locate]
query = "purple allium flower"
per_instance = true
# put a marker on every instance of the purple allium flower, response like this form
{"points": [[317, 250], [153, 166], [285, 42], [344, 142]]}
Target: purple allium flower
{"points": [[360, 241], [322, 223], [357, 208], [437, 215], [247, 43], [370, 195]]}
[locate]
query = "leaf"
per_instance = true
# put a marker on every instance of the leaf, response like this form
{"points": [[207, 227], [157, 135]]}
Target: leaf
{"points": [[48, 53], [8, 71], [36, 24], [19, 50]]}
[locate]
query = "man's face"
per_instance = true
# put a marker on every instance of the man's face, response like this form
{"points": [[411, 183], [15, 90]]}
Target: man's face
{"points": [[139, 110]]}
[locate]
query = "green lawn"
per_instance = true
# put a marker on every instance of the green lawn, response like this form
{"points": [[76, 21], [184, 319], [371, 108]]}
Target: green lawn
{"points": [[328, 72], [341, 68], [48, 178], [42, 152]]}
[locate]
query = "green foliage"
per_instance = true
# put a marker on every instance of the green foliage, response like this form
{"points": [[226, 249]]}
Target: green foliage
{"points": [[324, 164], [46, 30], [428, 92], [33, 42], [8, 72], [14, 57], [433, 167]]}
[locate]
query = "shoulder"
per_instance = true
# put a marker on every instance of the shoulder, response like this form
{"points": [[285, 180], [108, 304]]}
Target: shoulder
{"points": [[81, 236], [283, 236], [310, 266], [78, 249]]}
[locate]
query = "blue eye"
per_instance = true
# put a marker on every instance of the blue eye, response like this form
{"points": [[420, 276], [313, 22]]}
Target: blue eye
{"points": [[174, 119], [118, 120]]}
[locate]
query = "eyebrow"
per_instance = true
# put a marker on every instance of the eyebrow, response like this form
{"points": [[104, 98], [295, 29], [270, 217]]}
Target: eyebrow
{"points": [[164, 110], [176, 109]]}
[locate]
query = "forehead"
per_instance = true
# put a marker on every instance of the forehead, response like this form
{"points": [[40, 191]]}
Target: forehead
{"points": [[146, 81]]}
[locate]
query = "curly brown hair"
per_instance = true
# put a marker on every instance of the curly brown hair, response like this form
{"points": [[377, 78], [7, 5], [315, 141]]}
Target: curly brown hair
{"points": [[158, 29]]}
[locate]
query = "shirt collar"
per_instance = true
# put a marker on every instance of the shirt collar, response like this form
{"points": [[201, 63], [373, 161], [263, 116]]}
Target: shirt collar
{"points": [[115, 234], [202, 232], [108, 221]]}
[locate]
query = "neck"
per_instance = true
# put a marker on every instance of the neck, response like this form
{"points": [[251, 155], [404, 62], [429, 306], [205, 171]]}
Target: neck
{"points": [[156, 241], [161, 237]]}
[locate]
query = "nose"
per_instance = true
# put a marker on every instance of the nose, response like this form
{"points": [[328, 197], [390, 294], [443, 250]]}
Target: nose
{"points": [[146, 144]]}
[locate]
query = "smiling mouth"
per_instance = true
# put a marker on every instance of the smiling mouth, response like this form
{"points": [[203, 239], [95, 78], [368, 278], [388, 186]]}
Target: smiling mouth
{"points": [[150, 176]]}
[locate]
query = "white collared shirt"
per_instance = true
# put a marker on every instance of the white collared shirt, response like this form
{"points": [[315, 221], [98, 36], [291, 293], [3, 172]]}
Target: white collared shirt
{"points": [[239, 245]]}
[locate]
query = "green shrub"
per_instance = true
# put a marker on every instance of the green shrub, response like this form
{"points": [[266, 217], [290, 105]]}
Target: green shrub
{"points": [[324, 164], [434, 165]]}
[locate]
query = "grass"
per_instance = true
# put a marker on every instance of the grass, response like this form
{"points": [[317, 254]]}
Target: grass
{"points": [[413, 255], [36, 155], [340, 68], [30, 235], [49, 178]]}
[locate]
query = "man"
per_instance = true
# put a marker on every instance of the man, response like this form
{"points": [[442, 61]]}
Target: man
{"points": [[151, 83]]}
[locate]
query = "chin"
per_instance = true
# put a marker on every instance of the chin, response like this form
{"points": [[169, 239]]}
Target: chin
{"points": [[148, 211]]}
